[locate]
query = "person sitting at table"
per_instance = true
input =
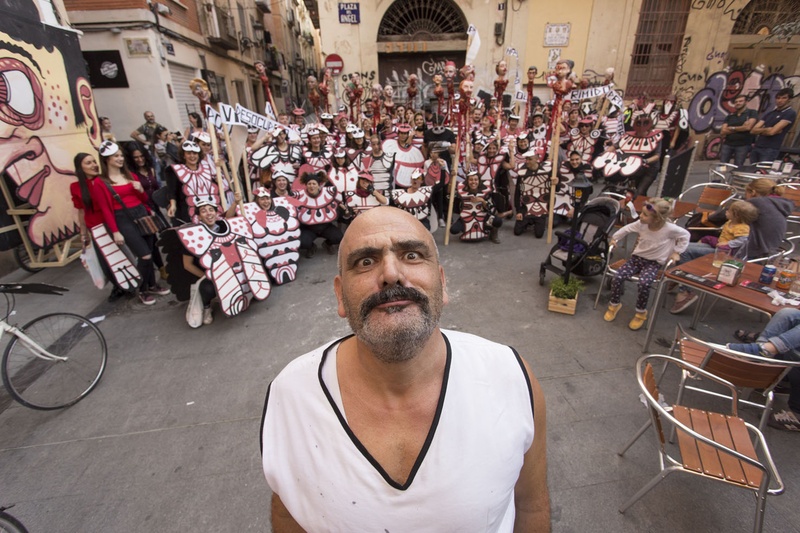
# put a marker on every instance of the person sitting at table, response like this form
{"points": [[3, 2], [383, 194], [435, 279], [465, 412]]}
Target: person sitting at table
{"points": [[659, 241], [780, 340], [734, 236], [768, 230]]}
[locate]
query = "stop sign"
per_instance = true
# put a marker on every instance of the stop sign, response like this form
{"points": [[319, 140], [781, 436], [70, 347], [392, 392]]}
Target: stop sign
{"points": [[335, 63]]}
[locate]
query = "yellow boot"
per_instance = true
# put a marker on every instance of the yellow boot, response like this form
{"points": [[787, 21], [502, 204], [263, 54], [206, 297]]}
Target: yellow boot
{"points": [[611, 312], [638, 320], [163, 271]]}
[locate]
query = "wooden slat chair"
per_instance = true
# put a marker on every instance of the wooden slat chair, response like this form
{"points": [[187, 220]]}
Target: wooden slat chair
{"points": [[709, 196], [612, 268], [712, 445], [792, 192], [744, 371]]}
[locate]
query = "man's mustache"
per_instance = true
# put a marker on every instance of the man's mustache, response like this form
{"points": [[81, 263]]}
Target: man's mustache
{"points": [[392, 294]]}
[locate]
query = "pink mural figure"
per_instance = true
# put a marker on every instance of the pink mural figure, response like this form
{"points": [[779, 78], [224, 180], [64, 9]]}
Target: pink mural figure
{"points": [[47, 115]]}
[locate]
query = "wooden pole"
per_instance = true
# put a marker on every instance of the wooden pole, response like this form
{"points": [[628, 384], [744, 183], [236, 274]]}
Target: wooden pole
{"points": [[554, 137], [453, 180], [602, 113], [235, 181], [248, 183], [212, 132]]}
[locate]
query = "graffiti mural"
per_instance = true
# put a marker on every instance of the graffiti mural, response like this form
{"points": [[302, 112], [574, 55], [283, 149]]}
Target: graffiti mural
{"points": [[711, 104], [47, 116]]}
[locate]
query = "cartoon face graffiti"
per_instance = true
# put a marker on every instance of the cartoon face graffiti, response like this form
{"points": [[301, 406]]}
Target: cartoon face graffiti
{"points": [[47, 115]]}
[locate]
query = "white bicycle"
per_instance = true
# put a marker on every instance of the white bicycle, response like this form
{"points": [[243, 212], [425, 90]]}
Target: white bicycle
{"points": [[54, 360]]}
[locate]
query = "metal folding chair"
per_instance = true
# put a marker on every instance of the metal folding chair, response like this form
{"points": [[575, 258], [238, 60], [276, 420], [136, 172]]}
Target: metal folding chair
{"points": [[711, 445]]}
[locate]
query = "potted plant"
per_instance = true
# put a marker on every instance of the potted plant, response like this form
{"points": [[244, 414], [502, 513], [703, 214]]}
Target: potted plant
{"points": [[564, 295]]}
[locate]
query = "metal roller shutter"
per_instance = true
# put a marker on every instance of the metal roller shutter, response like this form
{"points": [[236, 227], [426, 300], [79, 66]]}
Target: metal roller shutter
{"points": [[186, 101]]}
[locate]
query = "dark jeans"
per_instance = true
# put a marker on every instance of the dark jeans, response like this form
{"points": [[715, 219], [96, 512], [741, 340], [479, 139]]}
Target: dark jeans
{"points": [[783, 331], [539, 225], [310, 233], [739, 153], [140, 245], [764, 154]]}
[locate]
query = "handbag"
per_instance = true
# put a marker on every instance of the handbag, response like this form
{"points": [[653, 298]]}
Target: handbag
{"points": [[194, 311], [92, 264], [147, 224]]}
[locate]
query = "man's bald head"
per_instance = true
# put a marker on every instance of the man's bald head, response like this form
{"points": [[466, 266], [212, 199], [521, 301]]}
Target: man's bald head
{"points": [[382, 217]]}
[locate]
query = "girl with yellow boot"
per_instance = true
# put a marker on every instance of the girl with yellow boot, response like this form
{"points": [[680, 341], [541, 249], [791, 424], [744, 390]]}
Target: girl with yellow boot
{"points": [[659, 241]]}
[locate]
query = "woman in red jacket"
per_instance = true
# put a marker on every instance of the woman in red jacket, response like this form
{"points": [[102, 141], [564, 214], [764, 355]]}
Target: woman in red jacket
{"points": [[116, 266], [121, 200]]}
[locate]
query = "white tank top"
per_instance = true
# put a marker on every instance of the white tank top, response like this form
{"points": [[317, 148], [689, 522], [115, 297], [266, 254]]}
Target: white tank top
{"points": [[463, 479]]}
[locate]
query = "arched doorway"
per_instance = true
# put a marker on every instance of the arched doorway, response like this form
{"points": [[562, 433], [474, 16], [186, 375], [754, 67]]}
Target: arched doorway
{"points": [[419, 37]]}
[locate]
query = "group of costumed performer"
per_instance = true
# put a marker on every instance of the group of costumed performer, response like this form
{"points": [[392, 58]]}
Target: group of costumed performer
{"points": [[232, 258]]}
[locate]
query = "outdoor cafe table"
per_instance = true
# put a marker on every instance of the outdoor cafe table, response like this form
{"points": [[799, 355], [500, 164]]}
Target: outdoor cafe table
{"points": [[703, 267]]}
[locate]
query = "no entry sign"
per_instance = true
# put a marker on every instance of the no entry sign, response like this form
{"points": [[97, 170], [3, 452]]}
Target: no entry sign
{"points": [[335, 63]]}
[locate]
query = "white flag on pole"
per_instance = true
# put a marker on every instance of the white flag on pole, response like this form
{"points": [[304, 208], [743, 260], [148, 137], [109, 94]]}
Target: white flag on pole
{"points": [[474, 46]]}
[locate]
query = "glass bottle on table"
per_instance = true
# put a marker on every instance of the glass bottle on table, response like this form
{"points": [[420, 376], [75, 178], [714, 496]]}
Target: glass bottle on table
{"points": [[787, 274]]}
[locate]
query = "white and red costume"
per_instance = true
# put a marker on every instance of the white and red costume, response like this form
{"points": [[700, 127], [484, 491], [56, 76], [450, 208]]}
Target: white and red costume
{"points": [[230, 260], [406, 160], [276, 232]]}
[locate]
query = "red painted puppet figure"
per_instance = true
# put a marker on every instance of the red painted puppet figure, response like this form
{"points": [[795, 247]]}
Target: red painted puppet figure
{"points": [[438, 91], [377, 91], [324, 89], [313, 92], [412, 90], [353, 90], [532, 72], [500, 83], [450, 77]]}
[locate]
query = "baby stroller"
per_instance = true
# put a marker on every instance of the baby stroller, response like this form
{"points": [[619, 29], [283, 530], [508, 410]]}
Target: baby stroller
{"points": [[590, 246]]}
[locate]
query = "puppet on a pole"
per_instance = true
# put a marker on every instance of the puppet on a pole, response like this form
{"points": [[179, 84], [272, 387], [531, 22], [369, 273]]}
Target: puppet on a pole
{"points": [[561, 83]]}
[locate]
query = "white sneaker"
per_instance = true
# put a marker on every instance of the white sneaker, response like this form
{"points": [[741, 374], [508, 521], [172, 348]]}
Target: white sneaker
{"points": [[208, 316]]}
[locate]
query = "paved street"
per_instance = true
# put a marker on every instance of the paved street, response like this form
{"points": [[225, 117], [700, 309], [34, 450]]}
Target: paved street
{"points": [[169, 439]]}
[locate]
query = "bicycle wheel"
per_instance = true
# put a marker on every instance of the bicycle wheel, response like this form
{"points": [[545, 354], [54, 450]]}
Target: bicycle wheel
{"points": [[43, 384], [9, 524]]}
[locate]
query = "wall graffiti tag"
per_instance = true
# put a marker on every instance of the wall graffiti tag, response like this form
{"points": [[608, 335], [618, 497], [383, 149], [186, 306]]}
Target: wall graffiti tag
{"points": [[711, 104], [725, 5]]}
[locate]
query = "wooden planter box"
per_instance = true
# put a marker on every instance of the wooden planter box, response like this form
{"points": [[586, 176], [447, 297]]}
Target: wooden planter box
{"points": [[561, 305]]}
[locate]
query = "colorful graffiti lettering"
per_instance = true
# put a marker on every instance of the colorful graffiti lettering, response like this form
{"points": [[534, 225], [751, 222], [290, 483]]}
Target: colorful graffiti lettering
{"points": [[714, 101]]}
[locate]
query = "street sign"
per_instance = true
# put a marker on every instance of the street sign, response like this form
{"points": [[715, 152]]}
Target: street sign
{"points": [[349, 13], [335, 63]]}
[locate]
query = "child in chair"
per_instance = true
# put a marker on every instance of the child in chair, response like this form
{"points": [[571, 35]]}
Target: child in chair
{"points": [[659, 241]]}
